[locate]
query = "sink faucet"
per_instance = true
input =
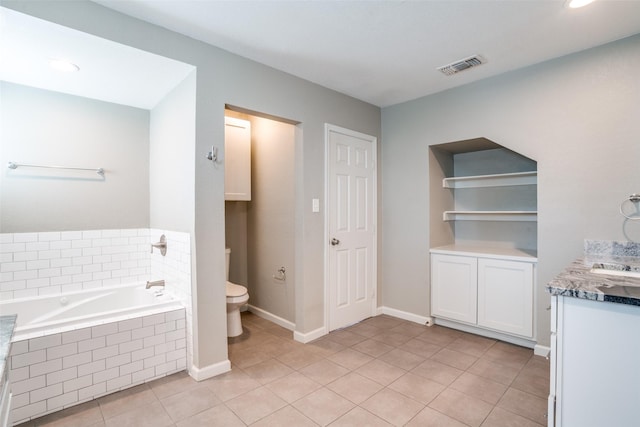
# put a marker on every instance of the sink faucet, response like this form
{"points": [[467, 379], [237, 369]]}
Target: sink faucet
{"points": [[155, 283]]}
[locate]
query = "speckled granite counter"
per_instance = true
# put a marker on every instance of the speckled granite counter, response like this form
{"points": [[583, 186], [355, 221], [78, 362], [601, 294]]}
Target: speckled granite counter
{"points": [[578, 281], [7, 324]]}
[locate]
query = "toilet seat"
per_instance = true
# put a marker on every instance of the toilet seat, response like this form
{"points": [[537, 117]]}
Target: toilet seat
{"points": [[234, 290]]}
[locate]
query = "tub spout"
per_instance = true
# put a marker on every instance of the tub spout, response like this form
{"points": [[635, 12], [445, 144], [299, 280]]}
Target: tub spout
{"points": [[155, 283], [162, 245]]}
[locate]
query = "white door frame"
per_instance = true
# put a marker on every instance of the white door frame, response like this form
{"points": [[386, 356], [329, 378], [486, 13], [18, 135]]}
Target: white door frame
{"points": [[374, 274]]}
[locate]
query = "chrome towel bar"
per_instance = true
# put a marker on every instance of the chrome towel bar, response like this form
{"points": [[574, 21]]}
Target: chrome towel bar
{"points": [[14, 165]]}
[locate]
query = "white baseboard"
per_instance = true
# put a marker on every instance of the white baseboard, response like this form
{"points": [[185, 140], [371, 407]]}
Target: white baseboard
{"points": [[309, 336], [272, 317], [541, 350], [523, 342], [200, 374], [405, 315]]}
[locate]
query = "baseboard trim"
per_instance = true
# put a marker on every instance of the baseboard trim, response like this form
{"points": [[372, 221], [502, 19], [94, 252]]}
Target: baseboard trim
{"points": [[523, 342], [272, 317], [200, 374], [541, 350], [309, 336], [405, 315]]}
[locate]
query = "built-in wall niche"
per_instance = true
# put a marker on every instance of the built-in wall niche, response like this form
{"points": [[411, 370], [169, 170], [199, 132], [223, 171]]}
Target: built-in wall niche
{"points": [[482, 194]]}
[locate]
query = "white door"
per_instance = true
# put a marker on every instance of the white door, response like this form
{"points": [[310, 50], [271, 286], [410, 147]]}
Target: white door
{"points": [[505, 296], [454, 287], [351, 240]]}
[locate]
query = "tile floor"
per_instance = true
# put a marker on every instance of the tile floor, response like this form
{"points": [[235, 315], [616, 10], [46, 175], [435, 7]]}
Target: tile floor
{"points": [[380, 372]]}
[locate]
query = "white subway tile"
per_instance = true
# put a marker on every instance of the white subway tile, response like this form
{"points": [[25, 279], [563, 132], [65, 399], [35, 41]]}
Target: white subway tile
{"points": [[91, 344], [37, 246], [62, 351], [142, 354], [71, 270], [7, 276], [82, 260], [62, 375], [61, 262], [121, 359], [153, 319], [12, 247], [38, 264], [165, 327], [19, 400], [91, 234], [92, 391], [174, 315], [101, 275], [103, 353], [76, 359], [175, 335], [154, 340], [119, 257], [25, 275], [111, 266], [48, 236], [60, 245], [48, 272], [116, 232], [19, 347], [91, 268], [99, 259], [130, 346], [43, 368], [131, 367], [38, 283], [45, 393], [154, 360], [25, 293], [13, 285], [165, 347], [71, 287], [50, 254], [49, 290], [127, 325], [77, 383], [142, 332], [181, 343], [118, 338], [106, 329], [25, 237], [106, 374], [70, 235], [92, 284], [6, 238], [24, 256], [59, 402], [28, 385], [19, 374], [100, 242], [6, 267], [26, 412], [80, 244], [112, 282], [76, 335], [60, 280], [44, 342], [118, 383], [143, 376], [91, 368], [166, 368]]}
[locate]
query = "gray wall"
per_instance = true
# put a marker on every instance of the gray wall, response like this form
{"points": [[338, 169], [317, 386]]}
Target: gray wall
{"points": [[223, 78], [577, 116], [51, 128]]}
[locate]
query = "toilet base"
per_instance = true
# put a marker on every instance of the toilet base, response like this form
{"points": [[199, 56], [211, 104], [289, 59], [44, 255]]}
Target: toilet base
{"points": [[234, 323]]}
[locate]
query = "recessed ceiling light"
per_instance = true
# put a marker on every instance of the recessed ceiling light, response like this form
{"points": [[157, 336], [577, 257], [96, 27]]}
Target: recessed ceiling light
{"points": [[574, 4], [62, 65]]}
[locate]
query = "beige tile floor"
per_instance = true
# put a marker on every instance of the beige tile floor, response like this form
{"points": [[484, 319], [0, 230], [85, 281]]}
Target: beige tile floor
{"points": [[380, 372]]}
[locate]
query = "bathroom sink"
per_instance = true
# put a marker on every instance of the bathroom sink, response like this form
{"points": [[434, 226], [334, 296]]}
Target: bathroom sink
{"points": [[615, 270]]}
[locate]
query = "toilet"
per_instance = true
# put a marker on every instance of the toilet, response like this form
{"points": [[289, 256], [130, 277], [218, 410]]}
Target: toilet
{"points": [[237, 296]]}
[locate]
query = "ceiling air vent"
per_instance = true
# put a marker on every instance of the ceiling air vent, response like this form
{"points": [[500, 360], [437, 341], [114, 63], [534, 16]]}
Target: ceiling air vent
{"points": [[461, 65]]}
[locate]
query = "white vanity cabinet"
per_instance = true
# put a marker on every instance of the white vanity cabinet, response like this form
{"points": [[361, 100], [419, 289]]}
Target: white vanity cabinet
{"points": [[488, 291], [595, 352], [237, 161]]}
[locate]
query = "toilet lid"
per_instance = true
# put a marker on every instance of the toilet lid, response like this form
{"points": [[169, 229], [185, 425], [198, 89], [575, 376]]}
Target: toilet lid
{"points": [[234, 290]]}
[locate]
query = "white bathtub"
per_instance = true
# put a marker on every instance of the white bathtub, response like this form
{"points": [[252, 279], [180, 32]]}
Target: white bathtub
{"points": [[71, 348], [44, 315]]}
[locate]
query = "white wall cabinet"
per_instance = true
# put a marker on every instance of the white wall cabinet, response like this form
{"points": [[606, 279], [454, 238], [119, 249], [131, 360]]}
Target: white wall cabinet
{"points": [[484, 290], [237, 161], [595, 348]]}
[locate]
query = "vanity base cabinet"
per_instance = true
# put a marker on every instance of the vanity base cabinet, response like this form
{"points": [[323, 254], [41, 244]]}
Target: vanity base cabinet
{"points": [[490, 293], [595, 380]]}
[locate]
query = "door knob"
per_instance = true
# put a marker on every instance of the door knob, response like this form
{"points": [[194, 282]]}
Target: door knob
{"points": [[335, 241]]}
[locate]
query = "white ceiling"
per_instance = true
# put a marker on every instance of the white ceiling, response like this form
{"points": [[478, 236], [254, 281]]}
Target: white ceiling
{"points": [[109, 71], [387, 52]]}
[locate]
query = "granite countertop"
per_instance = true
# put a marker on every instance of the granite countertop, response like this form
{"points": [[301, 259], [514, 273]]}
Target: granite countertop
{"points": [[7, 324], [578, 281]]}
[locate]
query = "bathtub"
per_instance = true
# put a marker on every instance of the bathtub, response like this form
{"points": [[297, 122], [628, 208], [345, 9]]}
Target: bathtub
{"points": [[71, 348], [43, 315]]}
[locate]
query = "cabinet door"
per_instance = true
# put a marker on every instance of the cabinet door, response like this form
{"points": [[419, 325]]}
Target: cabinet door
{"points": [[454, 287], [237, 159], [505, 296]]}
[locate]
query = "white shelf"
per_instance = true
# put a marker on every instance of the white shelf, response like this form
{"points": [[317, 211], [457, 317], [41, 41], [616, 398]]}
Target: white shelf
{"points": [[496, 180], [490, 216], [487, 251]]}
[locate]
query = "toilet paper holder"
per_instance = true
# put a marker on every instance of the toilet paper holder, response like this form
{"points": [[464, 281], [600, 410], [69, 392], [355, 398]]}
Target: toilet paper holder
{"points": [[281, 274]]}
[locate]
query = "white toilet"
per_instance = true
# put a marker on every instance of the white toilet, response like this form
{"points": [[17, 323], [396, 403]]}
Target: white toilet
{"points": [[237, 296]]}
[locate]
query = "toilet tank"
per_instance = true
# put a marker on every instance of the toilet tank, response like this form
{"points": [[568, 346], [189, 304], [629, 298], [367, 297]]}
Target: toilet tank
{"points": [[227, 257]]}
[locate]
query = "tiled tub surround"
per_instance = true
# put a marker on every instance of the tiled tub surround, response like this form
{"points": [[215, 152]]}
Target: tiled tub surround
{"points": [[578, 281], [59, 370]]}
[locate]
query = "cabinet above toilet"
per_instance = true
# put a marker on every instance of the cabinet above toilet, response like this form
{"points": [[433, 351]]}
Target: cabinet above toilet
{"points": [[237, 161]]}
